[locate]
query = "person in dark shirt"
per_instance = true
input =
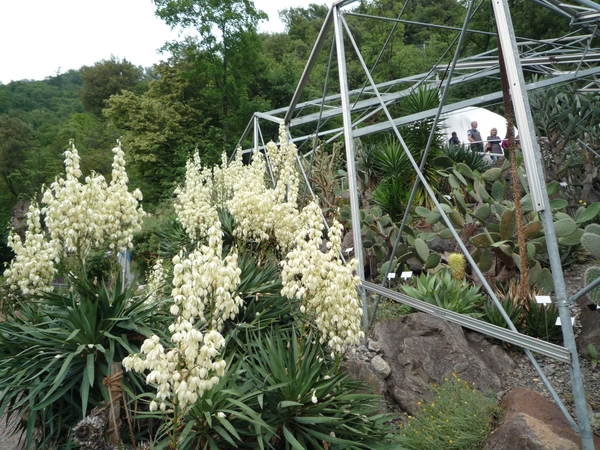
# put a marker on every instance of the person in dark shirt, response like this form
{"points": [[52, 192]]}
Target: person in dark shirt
{"points": [[454, 139], [475, 138]]}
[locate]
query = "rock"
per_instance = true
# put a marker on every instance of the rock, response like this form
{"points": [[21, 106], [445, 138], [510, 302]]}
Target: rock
{"points": [[381, 367], [414, 265], [440, 245], [422, 350], [348, 245], [549, 369], [590, 328], [531, 422], [374, 346], [364, 371]]}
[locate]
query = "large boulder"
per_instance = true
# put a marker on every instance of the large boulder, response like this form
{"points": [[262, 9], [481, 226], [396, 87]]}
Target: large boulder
{"points": [[422, 350], [531, 422]]}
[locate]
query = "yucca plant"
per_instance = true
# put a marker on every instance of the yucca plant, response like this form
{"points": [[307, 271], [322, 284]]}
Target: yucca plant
{"points": [[512, 309], [56, 348], [307, 401], [226, 417], [460, 154]]}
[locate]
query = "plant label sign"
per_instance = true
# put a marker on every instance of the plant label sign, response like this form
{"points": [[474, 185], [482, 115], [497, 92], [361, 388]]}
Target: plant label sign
{"points": [[406, 275], [544, 299], [558, 322]]}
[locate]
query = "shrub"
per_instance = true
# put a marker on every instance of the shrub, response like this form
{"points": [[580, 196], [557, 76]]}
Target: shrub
{"points": [[460, 154], [458, 417]]}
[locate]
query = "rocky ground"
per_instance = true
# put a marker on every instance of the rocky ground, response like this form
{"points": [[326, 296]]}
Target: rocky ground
{"points": [[525, 375]]}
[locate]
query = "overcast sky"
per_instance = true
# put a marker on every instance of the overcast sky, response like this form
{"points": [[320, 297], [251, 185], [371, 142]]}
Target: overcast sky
{"points": [[39, 38]]}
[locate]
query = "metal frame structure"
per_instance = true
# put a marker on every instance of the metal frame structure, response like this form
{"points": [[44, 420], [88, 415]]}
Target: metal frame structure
{"points": [[559, 60]]}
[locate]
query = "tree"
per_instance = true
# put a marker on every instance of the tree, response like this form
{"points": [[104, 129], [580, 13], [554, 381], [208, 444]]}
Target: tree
{"points": [[106, 78], [162, 127], [15, 143], [235, 44]]}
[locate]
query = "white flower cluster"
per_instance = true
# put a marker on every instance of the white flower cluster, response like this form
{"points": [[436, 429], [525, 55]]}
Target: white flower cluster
{"points": [[194, 200], [78, 216], [123, 214], [85, 215], [33, 266], [325, 286], [204, 291], [204, 285], [187, 370], [156, 281], [73, 211], [262, 212]]}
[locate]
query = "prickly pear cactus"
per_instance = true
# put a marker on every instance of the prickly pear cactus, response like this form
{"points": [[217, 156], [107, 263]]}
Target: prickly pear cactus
{"points": [[456, 262], [590, 275], [590, 240]]}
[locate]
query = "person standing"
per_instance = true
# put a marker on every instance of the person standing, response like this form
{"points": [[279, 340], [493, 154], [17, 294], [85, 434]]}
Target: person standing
{"points": [[475, 138], [454, 139], [494, 145]]}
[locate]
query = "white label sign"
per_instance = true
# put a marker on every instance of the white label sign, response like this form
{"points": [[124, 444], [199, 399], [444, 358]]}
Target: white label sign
{"points": [[545, 299], [391, 275], [558, 322], [406, 275]]}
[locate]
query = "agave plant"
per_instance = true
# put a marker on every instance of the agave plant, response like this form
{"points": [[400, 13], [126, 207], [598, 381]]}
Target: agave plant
{"points": [[441, 289]]}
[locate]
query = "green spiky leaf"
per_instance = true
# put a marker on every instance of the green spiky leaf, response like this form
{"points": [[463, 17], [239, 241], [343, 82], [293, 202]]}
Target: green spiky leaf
{"points": [[433, 260], [486, 261], [533, 229], [552, 188], [558, 203], [492, 174], [465, 171], [446, 234], [572, 239], [498, 191], [481, 240], [545, 282]]}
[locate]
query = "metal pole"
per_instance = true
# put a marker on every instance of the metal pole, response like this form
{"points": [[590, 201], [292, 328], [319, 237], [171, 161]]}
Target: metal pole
{"points": [[349, 144], [535, 175], [425, 153]]}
